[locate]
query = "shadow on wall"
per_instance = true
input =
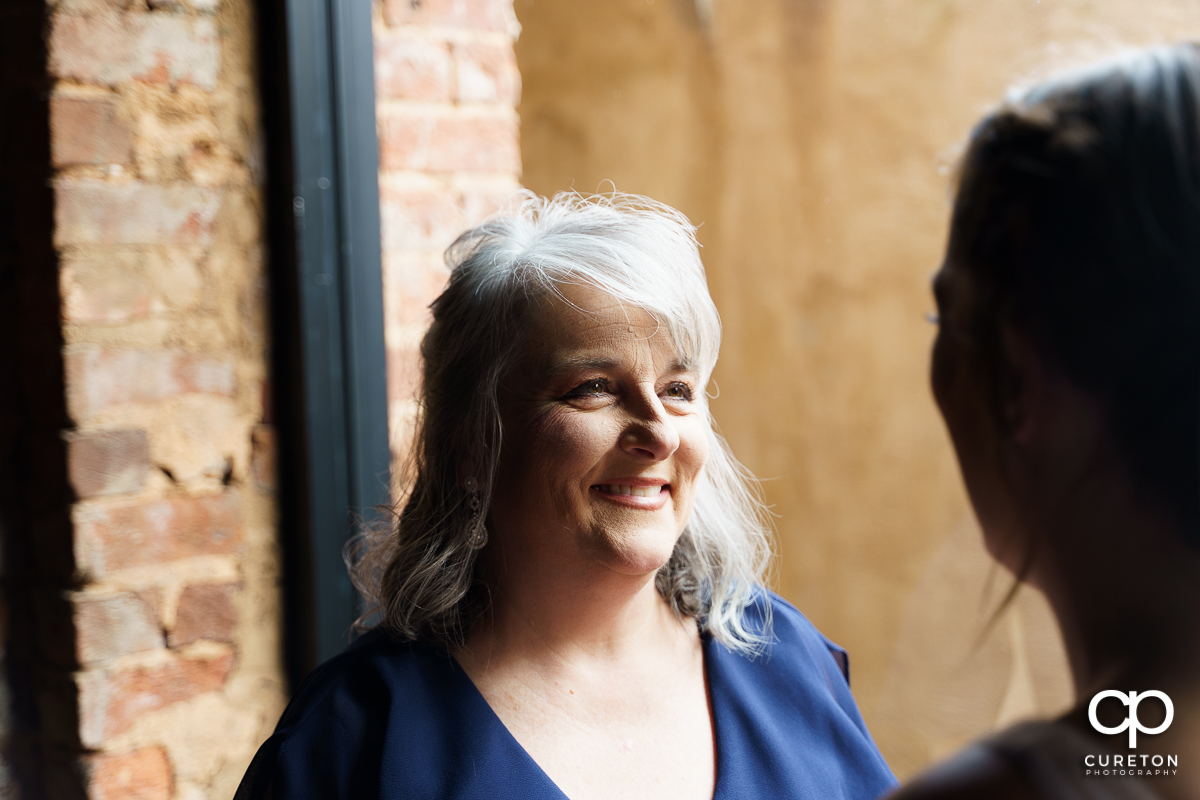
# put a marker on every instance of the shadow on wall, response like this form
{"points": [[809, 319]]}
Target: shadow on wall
{"points": [[39, 740]]}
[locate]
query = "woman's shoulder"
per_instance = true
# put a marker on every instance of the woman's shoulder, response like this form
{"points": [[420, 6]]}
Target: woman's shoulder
{"points": [[361, 680], [791, 700], [1038, 760], [792, 642], [355, 708], [974, 773]]}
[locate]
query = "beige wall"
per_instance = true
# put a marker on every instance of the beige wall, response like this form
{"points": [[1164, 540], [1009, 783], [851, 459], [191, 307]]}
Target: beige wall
{"points": [[811, 140]]}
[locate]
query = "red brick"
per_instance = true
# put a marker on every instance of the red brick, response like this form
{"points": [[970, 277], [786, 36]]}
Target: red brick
{"points": [[418, 219], [99, 378], [411, 281], [490, 15], [156, 47], [88, 6], [205, 611], [479, 205], [439, 141], [112, 538], [104, 287], [88, 130], [97, 212], [486, 72], [403, 374], [262, 457], [412, 67], [109, 702], [108, 462], [141, 775], [106, 627], [181, 5]]}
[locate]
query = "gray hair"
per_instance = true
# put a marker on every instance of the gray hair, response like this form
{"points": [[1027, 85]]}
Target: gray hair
{"points": [[420, 574]]}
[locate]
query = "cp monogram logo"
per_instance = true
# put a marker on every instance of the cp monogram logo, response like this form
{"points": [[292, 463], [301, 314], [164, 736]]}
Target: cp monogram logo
{"points": [[1131, 722]]}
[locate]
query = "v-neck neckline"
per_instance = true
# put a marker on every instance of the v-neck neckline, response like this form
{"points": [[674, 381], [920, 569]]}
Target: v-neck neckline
{"points": [[706, 645]]}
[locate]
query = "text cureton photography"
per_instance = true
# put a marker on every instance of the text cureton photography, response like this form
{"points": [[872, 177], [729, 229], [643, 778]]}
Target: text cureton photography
{"points": [[1131, 764]]}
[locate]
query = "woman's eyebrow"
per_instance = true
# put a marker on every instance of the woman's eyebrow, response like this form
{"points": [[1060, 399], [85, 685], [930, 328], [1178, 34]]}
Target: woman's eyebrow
{"points": [[574, 363], [682, 365]]}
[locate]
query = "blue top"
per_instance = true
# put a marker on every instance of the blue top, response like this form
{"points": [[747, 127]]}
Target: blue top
{"points": [[398, 720]]}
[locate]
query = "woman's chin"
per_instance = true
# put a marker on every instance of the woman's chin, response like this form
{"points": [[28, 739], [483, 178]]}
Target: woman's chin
{"points": [[1005, 549], [641, 554]]}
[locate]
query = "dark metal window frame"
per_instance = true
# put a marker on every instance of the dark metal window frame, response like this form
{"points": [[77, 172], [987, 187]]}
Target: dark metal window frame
{"points": [[330, 383]]}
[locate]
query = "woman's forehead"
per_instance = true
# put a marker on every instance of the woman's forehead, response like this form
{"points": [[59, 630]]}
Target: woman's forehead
{"points": [[587, 327], [574, 308]]}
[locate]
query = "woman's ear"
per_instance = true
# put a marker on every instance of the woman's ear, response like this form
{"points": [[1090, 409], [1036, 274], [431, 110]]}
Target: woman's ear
{"points": [[1025, 408], [1048, 413]]}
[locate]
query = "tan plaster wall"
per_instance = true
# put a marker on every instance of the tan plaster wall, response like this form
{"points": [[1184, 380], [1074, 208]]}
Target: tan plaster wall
{"points": [[811, 140]]}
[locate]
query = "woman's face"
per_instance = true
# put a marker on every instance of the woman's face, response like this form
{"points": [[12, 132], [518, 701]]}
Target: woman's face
{"points": [[961, 391], [605, 434]]}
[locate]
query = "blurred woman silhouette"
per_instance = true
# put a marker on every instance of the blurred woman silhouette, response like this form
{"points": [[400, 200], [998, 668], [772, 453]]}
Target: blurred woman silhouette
{"points": [[1067, 367]]}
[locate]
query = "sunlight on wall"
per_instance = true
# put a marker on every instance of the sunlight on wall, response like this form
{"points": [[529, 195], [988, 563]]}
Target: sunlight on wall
{"points": [[813, 143]]}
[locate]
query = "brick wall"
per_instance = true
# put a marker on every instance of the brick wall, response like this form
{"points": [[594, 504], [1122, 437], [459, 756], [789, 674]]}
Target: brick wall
{"points": [[140, 611], [447, 86], [155, 147]]}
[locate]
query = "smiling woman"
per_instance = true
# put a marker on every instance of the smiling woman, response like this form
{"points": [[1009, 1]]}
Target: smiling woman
{"points": [[508, 305], [570, 600]]}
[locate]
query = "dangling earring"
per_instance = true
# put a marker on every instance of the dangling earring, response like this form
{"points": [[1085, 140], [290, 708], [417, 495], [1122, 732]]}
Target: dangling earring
{"points": [[478, 530]]}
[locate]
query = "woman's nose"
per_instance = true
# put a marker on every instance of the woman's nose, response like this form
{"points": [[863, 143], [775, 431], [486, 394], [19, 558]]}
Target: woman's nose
{"points": [[650, 433]]}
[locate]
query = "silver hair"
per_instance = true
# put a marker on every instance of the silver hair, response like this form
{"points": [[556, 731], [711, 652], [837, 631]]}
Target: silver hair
{"points": [[420, 573]]}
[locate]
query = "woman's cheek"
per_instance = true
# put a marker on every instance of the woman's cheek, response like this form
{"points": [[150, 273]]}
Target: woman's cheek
{"points": [[698, 433], [569, 444], [942, 372], [693, 453]]}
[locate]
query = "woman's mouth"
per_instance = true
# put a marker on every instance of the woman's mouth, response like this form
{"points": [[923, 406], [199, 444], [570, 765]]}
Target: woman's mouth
{"points": [[634, 495], [627, 489]]}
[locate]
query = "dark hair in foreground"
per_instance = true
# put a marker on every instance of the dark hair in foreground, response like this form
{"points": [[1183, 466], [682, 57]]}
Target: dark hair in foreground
{"points": [[1077, 219]]}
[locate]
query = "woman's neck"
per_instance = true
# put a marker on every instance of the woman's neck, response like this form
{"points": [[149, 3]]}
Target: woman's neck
{"points": [[1135, 631], [575, 613], [1129, 608], [1128, 605], [595, 677]]}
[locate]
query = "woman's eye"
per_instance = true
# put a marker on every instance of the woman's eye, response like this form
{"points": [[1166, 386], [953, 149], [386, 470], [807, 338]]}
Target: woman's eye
{"points": [[590, 389], [679, 391]]}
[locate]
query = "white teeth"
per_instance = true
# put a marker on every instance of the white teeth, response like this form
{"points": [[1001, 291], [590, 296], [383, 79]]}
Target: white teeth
{"points": [[635, 491]]}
